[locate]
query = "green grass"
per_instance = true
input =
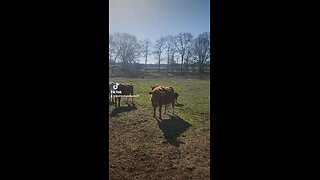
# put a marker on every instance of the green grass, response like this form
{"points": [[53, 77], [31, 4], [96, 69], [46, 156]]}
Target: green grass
{"points": [[178, 146]]}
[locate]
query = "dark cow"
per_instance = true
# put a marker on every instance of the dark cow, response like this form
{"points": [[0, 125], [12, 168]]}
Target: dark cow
{"points": [[125, 89], [162, 96]]}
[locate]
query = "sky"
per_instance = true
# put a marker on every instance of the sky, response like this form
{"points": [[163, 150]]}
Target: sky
{"points": [[155, 18]]}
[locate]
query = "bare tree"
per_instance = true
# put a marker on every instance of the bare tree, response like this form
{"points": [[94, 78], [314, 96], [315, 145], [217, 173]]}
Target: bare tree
{"points": [[111, 47], [159, 47], [113, 56], [202, 50], [188, 58], [170, 50], [127, 48], [172, 62], [183, 42], [145, 50]]}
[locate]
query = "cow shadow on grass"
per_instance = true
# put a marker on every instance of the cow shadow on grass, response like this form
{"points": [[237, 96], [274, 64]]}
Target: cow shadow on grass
{"points": [[119, 110], [172, 128]]}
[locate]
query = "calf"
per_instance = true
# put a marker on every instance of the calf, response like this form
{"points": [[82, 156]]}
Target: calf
{"points": [[125, 89], [162, 96]]}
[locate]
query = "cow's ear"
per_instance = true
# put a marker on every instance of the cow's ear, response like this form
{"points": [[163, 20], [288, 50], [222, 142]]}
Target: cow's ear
{"points": [[150, 92]]}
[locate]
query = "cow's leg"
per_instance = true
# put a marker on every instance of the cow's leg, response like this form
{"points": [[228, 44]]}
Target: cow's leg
{"points": [[165, 109], [119, 100], [132, 96], [116, 102], [173, 108], [160, 107], [154, 111]]}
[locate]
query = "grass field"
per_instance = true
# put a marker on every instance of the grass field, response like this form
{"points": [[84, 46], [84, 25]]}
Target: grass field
{"points": [[176, 147]]}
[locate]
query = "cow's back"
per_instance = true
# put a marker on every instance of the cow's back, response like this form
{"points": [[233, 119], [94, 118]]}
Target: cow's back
{"points": [[162, 96], [126, 89]]}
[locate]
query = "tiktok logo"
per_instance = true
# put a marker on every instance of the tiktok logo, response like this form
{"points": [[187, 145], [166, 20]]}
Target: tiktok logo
{"points": [[115, 87]]}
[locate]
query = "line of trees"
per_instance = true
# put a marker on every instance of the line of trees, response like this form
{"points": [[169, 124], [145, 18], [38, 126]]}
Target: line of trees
{"points": [[126, 49]]}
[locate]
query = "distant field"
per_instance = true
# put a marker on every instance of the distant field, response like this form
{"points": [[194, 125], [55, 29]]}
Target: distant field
{"points": [[178, 147]]}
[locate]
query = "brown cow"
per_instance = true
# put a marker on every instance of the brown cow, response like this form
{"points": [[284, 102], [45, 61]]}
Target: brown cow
{"points": [[162, 96], [175, 94], [152, 87], [123, 89]]}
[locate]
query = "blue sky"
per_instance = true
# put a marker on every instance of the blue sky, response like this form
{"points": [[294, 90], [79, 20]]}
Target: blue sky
{"points": [[155, 18]]}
